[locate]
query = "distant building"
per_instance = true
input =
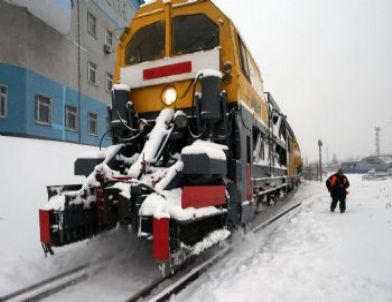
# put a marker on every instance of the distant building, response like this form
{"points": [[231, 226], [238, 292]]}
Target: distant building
{"points": [[56, 66], [378, 163]]}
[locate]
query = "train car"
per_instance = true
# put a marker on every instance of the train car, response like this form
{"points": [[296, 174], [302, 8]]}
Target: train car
{"points": [[198, 145]]}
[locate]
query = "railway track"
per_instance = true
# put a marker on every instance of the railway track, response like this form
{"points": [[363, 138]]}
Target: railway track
{"points": [[163, 289], [52, 285]]}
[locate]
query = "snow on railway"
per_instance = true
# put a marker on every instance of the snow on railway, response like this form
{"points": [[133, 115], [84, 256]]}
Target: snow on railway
{"points": [[315, 255], [309, 255]]}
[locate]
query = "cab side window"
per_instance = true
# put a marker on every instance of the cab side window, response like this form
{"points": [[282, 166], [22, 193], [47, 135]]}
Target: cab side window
{"points": [[244, 58], [250, 69]]}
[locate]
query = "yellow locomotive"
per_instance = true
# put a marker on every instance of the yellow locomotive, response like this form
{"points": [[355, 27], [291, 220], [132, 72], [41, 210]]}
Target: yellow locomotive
{"points": [[197, 143]]}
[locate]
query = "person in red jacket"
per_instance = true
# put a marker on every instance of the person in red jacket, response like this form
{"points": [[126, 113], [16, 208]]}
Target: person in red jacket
{"points": [[337, 185]]}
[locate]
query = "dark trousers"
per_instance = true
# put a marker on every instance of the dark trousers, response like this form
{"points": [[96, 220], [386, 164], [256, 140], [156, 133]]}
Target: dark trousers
{"points": [[342, 202]]}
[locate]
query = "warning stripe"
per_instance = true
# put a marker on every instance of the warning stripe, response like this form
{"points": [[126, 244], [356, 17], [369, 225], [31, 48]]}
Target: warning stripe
{"points": [[167, 70]]}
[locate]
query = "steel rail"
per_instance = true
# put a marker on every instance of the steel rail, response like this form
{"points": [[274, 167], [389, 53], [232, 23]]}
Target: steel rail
{"points": [[53, 285], [44, 282]]}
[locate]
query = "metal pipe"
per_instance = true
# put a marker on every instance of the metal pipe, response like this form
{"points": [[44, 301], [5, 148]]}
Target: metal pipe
{"points": [[320, 145]]}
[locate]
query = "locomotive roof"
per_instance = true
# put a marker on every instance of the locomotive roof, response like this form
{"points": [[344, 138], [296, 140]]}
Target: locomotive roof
{"points": [[157, 5]]}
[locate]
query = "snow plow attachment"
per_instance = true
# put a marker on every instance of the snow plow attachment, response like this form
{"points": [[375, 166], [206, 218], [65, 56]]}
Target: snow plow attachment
{"points": [[69, 217]]}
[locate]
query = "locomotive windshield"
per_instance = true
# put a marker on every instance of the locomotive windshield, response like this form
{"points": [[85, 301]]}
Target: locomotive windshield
{"points": [[147, 44], [194, 33]]}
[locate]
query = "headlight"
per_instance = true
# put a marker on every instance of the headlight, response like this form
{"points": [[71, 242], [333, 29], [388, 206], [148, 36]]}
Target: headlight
{"points": [[169, 96]]}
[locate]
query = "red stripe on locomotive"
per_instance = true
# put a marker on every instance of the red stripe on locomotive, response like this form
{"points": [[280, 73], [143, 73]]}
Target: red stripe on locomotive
{"points": [[168, 70]]}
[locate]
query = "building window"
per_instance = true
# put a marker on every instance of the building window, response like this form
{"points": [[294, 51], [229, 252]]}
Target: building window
{"points": [[3, 100], [92, 73], [71, 118], [109, 38], [43, 113], [109, 82], [92, 24], [92, 124]]}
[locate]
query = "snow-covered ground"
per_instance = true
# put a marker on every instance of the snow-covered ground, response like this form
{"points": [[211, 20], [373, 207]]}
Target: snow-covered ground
{"points": [[312, 255], [309, 255], [27, 166]]}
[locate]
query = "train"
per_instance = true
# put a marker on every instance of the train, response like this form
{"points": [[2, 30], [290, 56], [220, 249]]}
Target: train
{"points": [[198, 147]]}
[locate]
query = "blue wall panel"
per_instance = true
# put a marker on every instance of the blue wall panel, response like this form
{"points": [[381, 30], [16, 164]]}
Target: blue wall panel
{"points": [[15, 80], [23, 88]]}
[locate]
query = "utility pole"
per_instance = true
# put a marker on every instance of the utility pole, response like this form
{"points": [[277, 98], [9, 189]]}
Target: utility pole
{"points": [[326, 155], [320, 169], [378, 129]]}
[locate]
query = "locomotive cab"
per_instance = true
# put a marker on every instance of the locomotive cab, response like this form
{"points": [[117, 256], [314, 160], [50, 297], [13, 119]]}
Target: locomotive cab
{"points": [[171, 58]]}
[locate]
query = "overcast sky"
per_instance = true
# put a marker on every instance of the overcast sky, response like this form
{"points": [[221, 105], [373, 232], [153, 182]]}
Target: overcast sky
{"points": [[328, 63]]}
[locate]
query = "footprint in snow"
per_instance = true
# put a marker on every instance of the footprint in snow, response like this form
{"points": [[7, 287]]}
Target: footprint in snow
{"points": [[388, 206]]}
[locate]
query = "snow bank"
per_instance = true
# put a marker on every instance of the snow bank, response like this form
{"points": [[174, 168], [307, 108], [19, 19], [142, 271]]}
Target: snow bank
{"points": [[27, 166], [55, 13], [213, 150]]}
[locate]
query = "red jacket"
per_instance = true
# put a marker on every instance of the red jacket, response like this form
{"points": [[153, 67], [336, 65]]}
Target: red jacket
{"points": [[337, 184]]}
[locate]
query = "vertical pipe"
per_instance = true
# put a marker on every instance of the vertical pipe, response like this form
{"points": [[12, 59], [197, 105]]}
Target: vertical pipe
{"points": [[168, 29], [327, 159], [79, 75], [321, 164], [378, 129], [320, 145]]}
